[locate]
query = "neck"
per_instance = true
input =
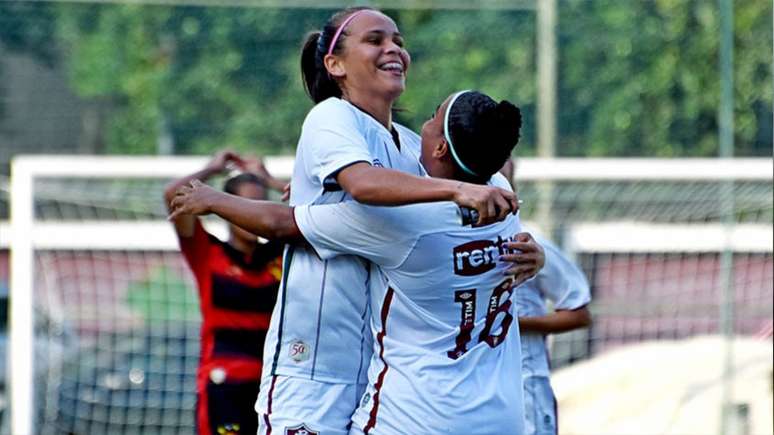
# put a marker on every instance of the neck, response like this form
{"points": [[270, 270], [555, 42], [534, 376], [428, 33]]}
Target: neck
{"points": [[441, 169], [244, 246], [449, 171], [461, 175], [379, 108]]}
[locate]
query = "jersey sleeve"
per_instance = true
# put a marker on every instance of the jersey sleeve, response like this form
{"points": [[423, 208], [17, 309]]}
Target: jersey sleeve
{"points": [[375, 233], [195, 249], [334, 140], [499, 180], [561, 281]]}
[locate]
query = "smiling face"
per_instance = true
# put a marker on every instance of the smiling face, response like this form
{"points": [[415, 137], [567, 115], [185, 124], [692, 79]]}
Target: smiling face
{"points": [[372, 61]]}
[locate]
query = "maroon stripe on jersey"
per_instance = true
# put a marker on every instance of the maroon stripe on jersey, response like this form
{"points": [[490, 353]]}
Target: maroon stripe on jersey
{"points": [[268, 405], [380, 380]]}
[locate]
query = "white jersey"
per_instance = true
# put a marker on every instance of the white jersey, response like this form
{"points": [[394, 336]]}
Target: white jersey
{"points": [[561, 282], [319, 328], [446, 350]]}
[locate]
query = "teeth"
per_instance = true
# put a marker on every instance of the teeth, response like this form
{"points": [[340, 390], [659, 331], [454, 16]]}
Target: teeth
{"points": [[392, 66]]}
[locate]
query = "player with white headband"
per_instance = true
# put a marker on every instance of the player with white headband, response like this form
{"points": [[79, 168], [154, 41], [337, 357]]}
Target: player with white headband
{"points": [[447, 352]]}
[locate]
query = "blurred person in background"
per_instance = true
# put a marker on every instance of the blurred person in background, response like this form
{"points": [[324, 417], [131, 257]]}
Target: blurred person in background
{"points": [[237, 282], [561, 282]]}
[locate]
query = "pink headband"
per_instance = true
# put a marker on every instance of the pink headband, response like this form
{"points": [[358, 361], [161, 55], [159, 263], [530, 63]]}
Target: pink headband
{"points": [[341, 29]]}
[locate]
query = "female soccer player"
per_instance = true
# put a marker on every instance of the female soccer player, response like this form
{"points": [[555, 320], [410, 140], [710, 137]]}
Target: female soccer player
{"points": [[237, 282], [563, 283], [447, 353]]}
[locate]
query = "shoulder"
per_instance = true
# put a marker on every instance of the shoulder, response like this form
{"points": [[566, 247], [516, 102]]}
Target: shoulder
{"points": [[329, 112], [408, 137], [557, 262], [406, 132], [500, 181], [549, 247], [409, 219], [416, 218]]}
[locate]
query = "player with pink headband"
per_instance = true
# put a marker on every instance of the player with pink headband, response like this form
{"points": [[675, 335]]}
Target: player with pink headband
{"points": [[319, 345]]}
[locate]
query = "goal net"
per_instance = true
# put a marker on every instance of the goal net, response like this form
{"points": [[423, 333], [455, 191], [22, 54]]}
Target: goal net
{"points": [[105, 319]]}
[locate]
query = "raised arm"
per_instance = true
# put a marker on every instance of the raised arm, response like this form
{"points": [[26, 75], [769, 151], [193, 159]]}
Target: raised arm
{"points": [[266, 219], [255, 166], [184, 223], [381, 186]]}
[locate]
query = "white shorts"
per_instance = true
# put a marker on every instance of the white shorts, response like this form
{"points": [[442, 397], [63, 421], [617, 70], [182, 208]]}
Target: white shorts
{"points": [[296, 406], [539, 407]]}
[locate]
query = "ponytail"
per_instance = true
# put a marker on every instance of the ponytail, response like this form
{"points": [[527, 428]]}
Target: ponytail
{"points": [[317, 82]]}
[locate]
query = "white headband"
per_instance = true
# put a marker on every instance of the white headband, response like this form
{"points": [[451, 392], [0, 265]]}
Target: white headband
{"points": [[448, 136]]}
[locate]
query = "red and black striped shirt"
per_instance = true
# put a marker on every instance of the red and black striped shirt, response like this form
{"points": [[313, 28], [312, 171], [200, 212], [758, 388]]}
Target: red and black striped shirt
{"points": [[237, 294]]}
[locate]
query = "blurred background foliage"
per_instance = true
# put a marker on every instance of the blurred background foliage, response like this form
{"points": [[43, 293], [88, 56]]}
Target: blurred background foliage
{"points": [[635, 78]]}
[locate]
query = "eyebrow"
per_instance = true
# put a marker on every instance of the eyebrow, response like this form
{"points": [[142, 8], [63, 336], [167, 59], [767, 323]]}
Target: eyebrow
{"points": [[382, 32]]}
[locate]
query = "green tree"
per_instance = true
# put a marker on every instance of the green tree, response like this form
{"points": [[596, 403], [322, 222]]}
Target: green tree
{"points": [[636, 78], [642, 78], [210, 76]]}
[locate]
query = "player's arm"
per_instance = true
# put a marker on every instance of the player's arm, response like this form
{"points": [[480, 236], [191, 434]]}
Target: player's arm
{"points": [[266, 219], [383, 235], [255, 166], [558, 321], [337, 153], [184, 223], [563, 283], [381, 186]]}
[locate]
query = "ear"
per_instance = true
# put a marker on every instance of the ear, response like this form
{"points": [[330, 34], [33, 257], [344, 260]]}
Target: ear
{"points": [[441, 150], [334, 66]]}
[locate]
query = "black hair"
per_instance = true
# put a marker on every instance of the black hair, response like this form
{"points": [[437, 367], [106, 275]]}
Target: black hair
{"points": [[232, 184], [483, 133], [318, 83]]}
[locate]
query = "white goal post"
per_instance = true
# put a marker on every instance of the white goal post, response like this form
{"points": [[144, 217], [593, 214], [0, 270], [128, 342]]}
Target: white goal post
{"points": [[26, 236], [26, 233]]}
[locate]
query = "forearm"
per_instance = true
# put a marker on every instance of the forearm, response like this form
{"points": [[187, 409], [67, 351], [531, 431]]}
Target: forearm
{"points": [[275, 184], [171, 188], [559, 321], [381, 186], [266, 219]]}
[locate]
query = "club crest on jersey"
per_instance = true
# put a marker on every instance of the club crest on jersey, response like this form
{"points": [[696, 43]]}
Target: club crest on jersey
{"points": [[300, 430], [365, 400], [298, 351], [478, 256]]}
